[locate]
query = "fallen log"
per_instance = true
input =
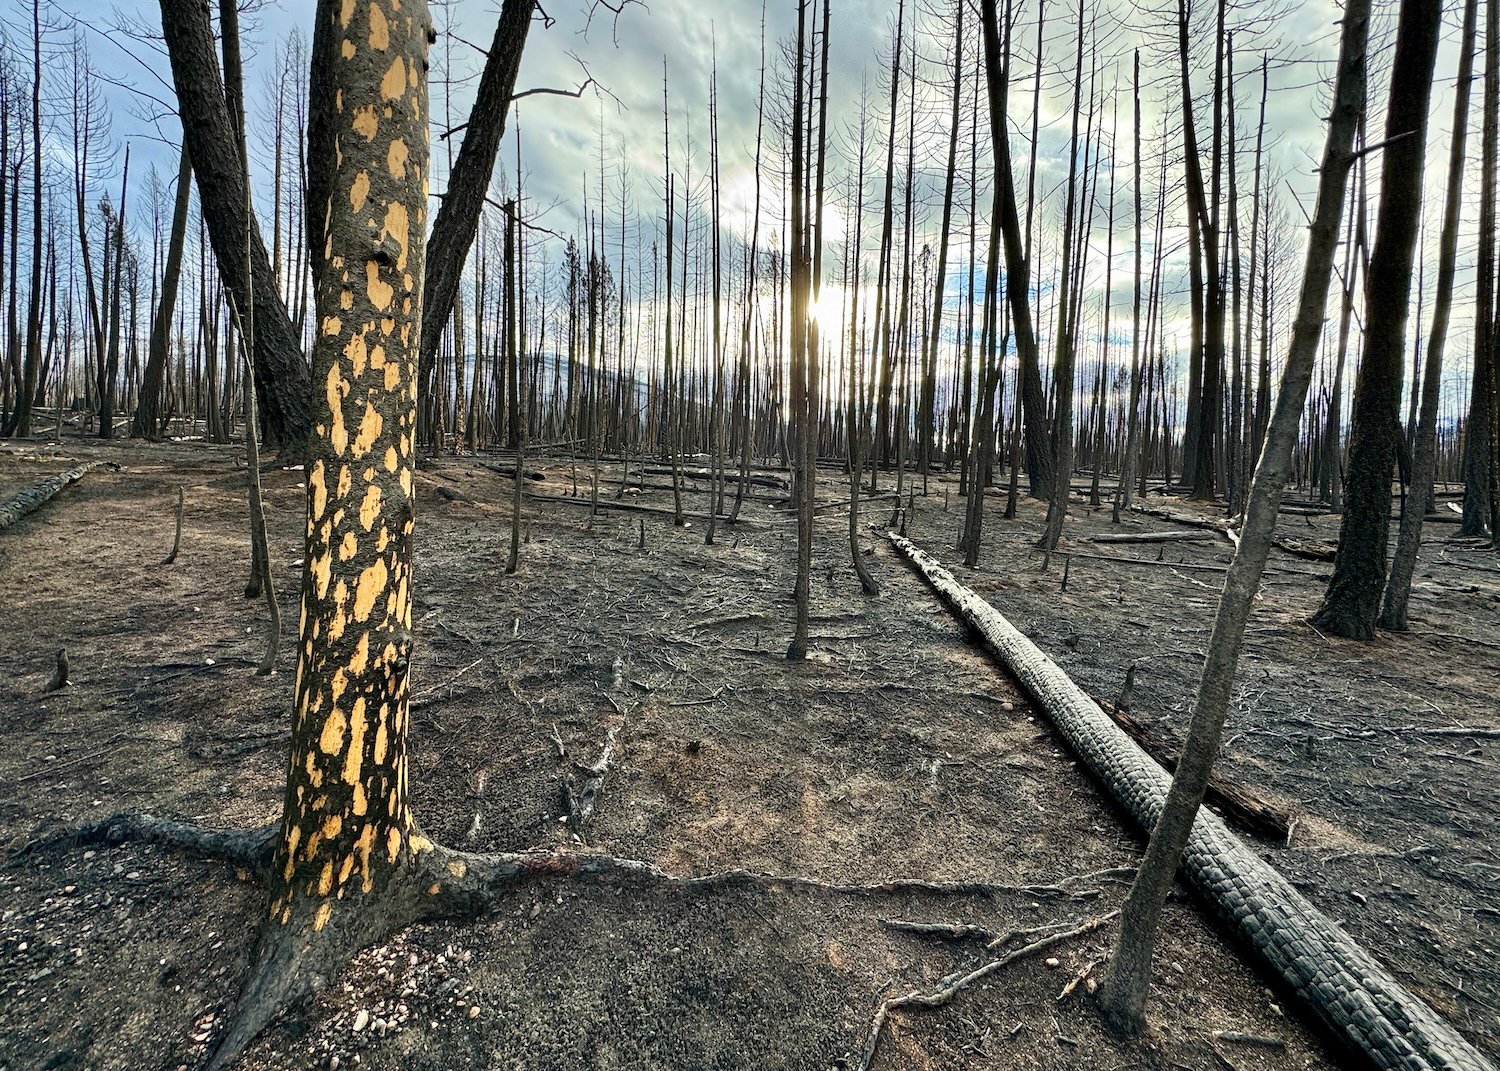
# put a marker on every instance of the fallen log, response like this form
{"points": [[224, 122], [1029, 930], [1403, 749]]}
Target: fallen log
{"points": [[610, 506], [1235, 801], [1341, 983], [1155, 537], [731, 476], [34, 497], [1189, 566], [1316, 550], [534, 475]]}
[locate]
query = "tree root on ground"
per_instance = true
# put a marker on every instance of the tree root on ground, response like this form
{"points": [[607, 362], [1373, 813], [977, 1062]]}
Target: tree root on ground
{"points": [[312, 943], [955, 983], [248, 848]]}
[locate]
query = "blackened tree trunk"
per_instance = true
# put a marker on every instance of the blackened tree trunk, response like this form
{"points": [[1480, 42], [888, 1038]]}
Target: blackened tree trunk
{"points": [[109, 360], [802, 425], [281, 373], [1039, 466], [147, 423], [26, 396], [1353, 598], [1481, 470], [939, 292], [1424, 451]]}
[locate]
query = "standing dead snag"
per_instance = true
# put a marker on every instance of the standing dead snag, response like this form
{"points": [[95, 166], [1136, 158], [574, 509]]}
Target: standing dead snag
{"points": [[1123, 994]]}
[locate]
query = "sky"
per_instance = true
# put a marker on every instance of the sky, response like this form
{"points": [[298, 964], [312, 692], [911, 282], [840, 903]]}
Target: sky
{"points": [[561, 136]]}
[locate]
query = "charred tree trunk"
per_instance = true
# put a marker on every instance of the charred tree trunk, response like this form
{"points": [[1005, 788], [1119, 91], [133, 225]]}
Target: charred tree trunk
{"points": [[469, 181], [148, 420], [281, 373], [1039, 464], [1398, 587], [1353, 598]]}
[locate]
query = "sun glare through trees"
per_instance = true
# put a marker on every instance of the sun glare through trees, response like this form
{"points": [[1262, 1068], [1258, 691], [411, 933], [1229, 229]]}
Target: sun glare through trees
{"points": [[929, 534]]}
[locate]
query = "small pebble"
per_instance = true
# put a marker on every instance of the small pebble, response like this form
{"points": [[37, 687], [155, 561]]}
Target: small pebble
{"points": [[473, 1011], [361, 1020], [1054, 962]]}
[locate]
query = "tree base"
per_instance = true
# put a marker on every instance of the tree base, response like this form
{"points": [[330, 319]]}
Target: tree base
{"points": [[1340, 622], [311, 939]]}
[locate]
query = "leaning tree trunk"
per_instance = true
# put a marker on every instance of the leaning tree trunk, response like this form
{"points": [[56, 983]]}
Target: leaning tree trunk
{"points": [[343, 871], [1353, 598], [281, 374], [1123, 995]]}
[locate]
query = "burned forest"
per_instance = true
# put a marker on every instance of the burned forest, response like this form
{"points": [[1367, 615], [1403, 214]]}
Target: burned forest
{"points": [[901, 536]]}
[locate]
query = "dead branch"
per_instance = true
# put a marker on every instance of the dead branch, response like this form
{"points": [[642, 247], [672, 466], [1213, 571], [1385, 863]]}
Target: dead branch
{"points": [[581, 784], [1155, 537], [950, 986]]}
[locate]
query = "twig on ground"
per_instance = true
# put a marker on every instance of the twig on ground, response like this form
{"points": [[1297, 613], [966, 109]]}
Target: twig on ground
{"points": [[950, 986]]}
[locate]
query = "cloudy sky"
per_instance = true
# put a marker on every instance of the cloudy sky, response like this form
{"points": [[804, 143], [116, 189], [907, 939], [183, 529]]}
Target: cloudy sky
{"points": [[561, 136]]}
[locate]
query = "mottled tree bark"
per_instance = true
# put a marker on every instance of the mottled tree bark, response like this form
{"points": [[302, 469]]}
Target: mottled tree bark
{"points": [[345, 869]]}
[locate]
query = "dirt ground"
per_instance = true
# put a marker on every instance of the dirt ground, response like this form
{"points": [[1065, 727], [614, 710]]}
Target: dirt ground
{"points": [[896, 750]]}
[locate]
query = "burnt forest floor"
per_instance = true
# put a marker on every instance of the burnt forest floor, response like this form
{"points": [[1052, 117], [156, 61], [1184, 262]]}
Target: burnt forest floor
{"points": [[897, 750]]}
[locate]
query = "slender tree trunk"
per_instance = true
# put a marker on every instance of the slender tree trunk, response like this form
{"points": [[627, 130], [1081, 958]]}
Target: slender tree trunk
{"points": [[147, 423], [1123, 995], [1133, 417], [1039, 462], [802, 425], [26, 396]]}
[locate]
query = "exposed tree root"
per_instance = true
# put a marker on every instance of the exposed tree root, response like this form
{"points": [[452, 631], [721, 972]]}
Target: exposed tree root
{"points": [[248, 848], [955, 983], [301, 950]]}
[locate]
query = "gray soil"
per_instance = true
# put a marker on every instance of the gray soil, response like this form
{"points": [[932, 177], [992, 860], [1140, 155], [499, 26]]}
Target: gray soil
{"points": [[897, 750]]}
